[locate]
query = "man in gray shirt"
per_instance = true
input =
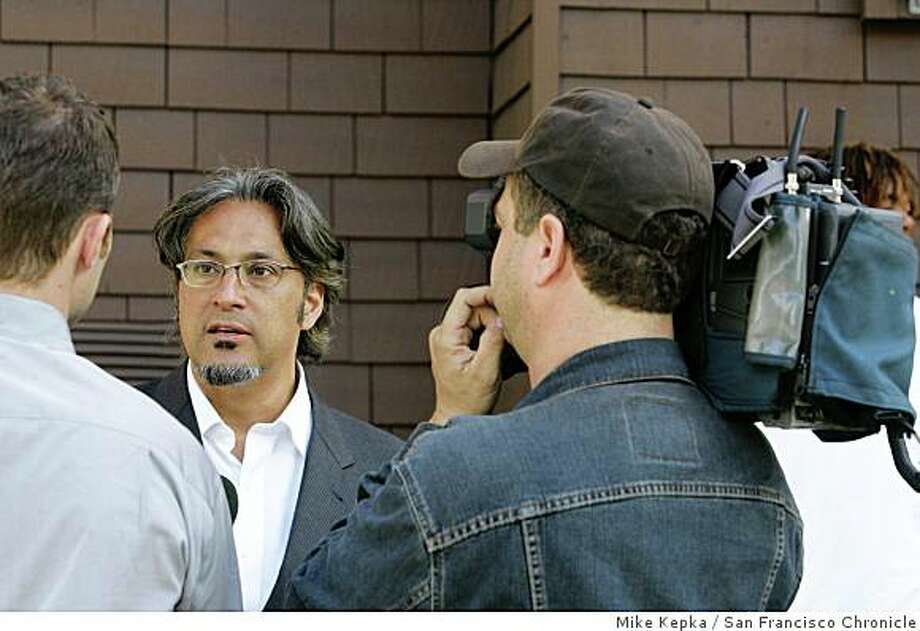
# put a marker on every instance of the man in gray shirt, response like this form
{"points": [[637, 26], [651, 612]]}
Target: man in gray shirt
{"points": [[108, 502]]}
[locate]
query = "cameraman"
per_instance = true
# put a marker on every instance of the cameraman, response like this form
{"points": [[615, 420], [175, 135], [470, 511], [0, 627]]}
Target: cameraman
{"points": [[613, 484]]}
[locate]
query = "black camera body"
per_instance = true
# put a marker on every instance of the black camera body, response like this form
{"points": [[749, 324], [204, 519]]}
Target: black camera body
{"points": [[481, 232]]}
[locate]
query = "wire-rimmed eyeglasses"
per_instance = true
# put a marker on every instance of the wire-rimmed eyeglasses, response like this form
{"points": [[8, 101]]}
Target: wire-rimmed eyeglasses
{"points": [[258, 273]]}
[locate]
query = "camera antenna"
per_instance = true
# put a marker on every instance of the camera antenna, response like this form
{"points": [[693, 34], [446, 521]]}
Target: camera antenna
{"points": [[792, 181], [840, 119]]}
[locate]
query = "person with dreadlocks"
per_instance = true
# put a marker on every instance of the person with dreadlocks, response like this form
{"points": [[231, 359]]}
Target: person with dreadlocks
{"points": [[862, 523], [882, 180]]}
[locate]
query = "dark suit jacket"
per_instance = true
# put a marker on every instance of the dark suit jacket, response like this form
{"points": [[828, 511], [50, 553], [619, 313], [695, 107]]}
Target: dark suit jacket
{"points": [[342, 448]]}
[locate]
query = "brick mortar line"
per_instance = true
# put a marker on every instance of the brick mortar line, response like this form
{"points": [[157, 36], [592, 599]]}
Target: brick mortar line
{"points": [[512, 37], [667, 77], [462, 116], [227, 48], [519, 94]]}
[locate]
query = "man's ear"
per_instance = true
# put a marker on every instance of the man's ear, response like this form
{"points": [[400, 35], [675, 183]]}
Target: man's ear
{"points": [[550, 234], [95, 239], [313, 300]]}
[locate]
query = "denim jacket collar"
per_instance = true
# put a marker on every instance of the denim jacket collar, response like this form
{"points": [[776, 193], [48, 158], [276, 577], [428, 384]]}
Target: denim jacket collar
{"points": [[618, 362]]}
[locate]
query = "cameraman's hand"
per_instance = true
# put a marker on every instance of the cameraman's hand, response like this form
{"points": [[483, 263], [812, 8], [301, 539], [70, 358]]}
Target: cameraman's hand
{"points": [[466, 381]]}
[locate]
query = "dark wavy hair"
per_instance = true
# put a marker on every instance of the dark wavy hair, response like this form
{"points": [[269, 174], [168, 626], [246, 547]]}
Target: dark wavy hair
{"points": [[635, 275], [306, 235]]}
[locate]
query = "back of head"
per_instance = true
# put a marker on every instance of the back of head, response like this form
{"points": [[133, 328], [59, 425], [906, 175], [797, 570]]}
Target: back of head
{"points": [[631, 182], [58, 161], [650, 274]]}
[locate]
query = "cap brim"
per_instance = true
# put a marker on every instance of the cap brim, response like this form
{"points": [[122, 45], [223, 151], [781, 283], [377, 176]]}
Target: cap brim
{"points": [[489, 158]]}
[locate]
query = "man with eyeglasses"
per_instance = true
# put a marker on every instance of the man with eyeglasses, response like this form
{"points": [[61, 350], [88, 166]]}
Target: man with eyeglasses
{"points": [[257, 271]]}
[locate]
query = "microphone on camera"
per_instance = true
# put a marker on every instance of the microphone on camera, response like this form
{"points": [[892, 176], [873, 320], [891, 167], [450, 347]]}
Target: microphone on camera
{"points": [[232, 500]]}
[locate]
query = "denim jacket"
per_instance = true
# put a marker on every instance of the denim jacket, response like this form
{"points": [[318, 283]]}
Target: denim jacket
{"points": [[614, 484]]}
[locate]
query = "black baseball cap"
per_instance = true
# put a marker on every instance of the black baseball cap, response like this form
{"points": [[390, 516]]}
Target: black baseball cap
{"points": [[615, 159]]}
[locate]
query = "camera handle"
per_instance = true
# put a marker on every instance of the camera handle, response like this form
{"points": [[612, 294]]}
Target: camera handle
{"points": [[898, 434]]}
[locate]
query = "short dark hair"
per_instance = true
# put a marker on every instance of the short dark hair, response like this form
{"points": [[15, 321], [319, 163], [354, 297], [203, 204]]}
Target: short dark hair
{"points": [[58, 161], [638, 276], [305, 233]]}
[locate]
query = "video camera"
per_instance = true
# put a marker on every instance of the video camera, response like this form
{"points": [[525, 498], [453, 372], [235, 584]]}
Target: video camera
{"points": [[802, 314]]}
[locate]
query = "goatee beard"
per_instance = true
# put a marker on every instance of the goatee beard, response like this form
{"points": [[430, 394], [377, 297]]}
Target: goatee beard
{"points": [[228, 374]]}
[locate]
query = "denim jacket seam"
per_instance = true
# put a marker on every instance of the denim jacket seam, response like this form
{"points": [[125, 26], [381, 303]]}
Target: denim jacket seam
{"points": [[573, 500], [624, 381], [421, 514], [530, 531], [417, 594], [413, 495], [777, 558], [436, 580]]}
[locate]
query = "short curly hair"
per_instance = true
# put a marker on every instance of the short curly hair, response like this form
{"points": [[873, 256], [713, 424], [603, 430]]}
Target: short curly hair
{"points": [[305, 233], [640, 275]]}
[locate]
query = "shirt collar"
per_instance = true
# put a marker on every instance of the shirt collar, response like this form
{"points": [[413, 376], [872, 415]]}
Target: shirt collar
{"points": [[617, 362], [295, 417], [34, 322], [298, 413]]}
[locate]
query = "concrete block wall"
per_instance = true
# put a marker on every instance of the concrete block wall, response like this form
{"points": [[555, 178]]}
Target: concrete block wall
{"points": [[368, 103]]}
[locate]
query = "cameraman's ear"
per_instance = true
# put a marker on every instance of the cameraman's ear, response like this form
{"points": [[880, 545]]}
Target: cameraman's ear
{"points": [[313, 301], [553, 248], [96, 239]]}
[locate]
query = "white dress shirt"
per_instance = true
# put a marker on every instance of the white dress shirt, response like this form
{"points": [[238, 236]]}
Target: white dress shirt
{"points": [[267, 482]]}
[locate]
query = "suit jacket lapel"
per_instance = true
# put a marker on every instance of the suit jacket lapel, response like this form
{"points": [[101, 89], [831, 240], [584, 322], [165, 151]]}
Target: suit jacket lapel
{"points": [[325, 495]]}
